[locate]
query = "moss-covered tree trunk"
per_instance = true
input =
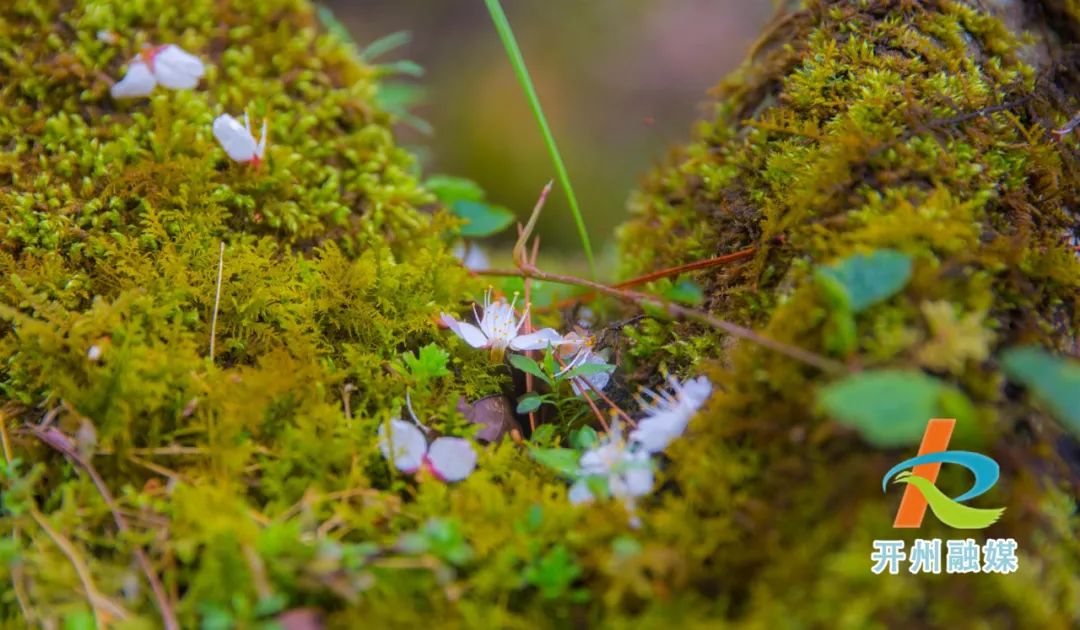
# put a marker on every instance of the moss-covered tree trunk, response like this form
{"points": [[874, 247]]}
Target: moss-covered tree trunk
{"points": [[143, 474], [918, 126]]}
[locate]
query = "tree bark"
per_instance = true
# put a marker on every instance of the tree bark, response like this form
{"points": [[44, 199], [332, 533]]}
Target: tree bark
{"points": [[924, 126]]}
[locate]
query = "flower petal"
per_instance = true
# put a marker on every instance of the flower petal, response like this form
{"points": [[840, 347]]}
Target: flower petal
{"points": [[538, 340], [174, 68], [655, 432], [406, 445], [580, 493], [234, 138], [138, 81], [452, 459], [469, 333]]}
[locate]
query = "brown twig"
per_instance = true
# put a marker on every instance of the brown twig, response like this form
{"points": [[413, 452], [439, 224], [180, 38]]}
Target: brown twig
{"points": [[581, 379], [528, 319], [60, 442], [677, 311]]}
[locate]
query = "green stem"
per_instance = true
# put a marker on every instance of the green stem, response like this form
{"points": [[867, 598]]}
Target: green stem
{"points": [[506, 34]]}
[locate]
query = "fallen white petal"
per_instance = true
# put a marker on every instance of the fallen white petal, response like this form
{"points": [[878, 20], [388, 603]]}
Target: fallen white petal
{"points": [[406, 445], [451, 458], [234, 138], [138, 81], [177, 69]]}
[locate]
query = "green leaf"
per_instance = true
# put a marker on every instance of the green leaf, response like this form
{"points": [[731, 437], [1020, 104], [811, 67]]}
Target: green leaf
{"points": [[527, 365], [380, 46], [554, 573], [529, 402], [866, 279], [562, 460], [890, 408], [450, 189], [588, 369], [481, 219], [584, 438], [685, 292], [544, 434], [430, 362], [1054, 380]]}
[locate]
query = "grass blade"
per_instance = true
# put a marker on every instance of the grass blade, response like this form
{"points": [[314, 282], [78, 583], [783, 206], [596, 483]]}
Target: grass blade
{"points": [[506, 34]]}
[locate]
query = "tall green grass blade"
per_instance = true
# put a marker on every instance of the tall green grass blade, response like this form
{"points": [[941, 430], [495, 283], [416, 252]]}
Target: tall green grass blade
{"points": [[506, 34]]}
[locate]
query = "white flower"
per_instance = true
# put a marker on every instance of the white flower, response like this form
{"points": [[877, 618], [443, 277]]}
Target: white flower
{"points": [[580, 350], [668, 413], [626, 469], [471, 255], [94, 353], [448, 458], [498, 329], [238, 141], [168, 65]]}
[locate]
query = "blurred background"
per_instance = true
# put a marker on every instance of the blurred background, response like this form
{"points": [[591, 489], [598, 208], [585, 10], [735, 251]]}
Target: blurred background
{"points": [[621, 81]]}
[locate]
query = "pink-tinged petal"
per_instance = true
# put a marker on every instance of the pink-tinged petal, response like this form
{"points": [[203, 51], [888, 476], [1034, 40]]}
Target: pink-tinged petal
{"points": [[138, 81], [176, 69], [234, 138], [580, 493], [538, 340], [405, 446], [452, 459], [469, 333]]}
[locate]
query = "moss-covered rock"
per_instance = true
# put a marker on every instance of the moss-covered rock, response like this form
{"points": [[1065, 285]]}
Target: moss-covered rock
{"points": [[249, 482], [855, 127]]}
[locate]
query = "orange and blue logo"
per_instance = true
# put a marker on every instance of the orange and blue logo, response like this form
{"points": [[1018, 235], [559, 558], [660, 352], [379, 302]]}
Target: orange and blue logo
{"points": [[919, 474]]}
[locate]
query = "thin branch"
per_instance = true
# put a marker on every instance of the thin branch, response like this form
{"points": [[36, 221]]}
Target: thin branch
{"points": [[217, 300], [62, 443], [677, 311], [98, 602]]}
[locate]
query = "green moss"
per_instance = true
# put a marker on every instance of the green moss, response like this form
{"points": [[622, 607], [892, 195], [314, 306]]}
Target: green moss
{"points": [[252, 491], [861, 126]]}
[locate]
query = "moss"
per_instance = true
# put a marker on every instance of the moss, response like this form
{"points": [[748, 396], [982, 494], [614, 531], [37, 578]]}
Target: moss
{"points": [[857, 126], [253, 491]]}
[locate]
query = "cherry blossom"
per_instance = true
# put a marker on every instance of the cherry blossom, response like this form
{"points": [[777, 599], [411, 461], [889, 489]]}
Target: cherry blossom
{"points": [[668, 413], [626, 469], [497, 329], [167, 65], [238, 141], [448, 458]]}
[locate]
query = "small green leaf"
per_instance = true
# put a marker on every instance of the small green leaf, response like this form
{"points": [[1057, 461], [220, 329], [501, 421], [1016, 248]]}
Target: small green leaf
{"points": [[380, 46], [890, 408], [430, 362], [450, 189], [1054, 380], [481, 219], [562, 460], [529, 402], [584, 438], [588, 369], [866, 279], [544, 434], [685, 292], [527, 365]]}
